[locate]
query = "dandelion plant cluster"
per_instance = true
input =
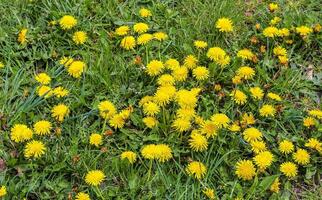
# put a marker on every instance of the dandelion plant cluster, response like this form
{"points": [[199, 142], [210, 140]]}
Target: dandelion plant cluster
{"points": [[192, 108]]}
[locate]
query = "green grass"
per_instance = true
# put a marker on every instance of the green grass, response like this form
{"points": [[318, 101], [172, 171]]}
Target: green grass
{"points": [[111, 74]]}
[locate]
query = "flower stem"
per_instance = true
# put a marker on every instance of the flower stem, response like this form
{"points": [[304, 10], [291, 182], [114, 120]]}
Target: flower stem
{"points": [[150, 169]]}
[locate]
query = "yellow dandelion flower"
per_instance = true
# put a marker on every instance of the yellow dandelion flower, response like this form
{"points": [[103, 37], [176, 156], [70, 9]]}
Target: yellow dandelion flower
{"points": [[263, 160], [34, 149], [60, 92], [199, 44], [187, 113], [52, 23], [257, 93], [42, 127], [284, 32], [258, 146], [154, 67], [195, 91], [275, 21], [220, 120], [117, 121], [248, 119], [283, 60], [43, 78], [274, 96], [128, 42], [210, 193], [76, 69], [200, 73], [275, 187], [80, 37], [237, 80], [44, 91], [166, 80], [181, 124], [164, 152], [94, 177], [3, 191], [246, 72], [304, 30], [160, 152], [316, 113], [1, 65], [186, 98], [150, 122], [22, 38], [122, 30], [190, 61], [279, 51], [239, 97], [130, 156], [252, 134], [125, 113], [234, 127], [267, 110], [140, 28], [59, 112], [199, 120], [289, 169], [145, 99], [217, 87], [66, 61], [67, 22], [172, 64], [223, 62], [286, 147], [216, 53], [314, 144], [302, 157], [82, 196], [245, 54], [245, 169], [209, 128], [219, 56], [224, 25], [196, 169], [317, 28], [149, 151], [198, 142], [144, 39], [273, 7], [145, 12], [160, 36], [309, 121], [180, 73], [106, 109], [20, 133], [164, 95], [95, 139], [270, 31], [151, 108]]}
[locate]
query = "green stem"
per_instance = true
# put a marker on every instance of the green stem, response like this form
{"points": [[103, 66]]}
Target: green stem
{"points": [[98, 192], [150, 169], [146, 54], [104, 126], [163, 116], [221, 70], [159, 50]]}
